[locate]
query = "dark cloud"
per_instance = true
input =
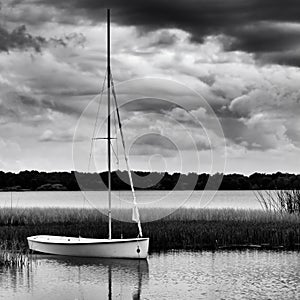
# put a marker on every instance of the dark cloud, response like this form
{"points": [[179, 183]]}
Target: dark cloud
{"points": [[233, 128], [18, 108], [164, 39], [254, 25], [209, 79], [271, 43], [148, 105], [157, 141], [19, 38], [290, 58], [74, 39], [58, 137], [266, 37], [45, 105]]}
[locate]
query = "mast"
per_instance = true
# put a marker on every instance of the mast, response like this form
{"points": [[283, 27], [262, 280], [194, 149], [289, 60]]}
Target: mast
{"points": [[108, 124]]}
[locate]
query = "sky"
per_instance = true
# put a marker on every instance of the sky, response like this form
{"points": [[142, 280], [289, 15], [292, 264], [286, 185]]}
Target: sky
{"points": [[203, 86]]}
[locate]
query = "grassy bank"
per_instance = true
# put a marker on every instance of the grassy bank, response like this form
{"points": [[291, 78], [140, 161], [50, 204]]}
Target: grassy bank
{"points": [[184, 229]]}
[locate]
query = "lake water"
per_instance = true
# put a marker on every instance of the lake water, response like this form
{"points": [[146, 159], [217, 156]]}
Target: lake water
{"points": [[123, 199], [174, 275]]}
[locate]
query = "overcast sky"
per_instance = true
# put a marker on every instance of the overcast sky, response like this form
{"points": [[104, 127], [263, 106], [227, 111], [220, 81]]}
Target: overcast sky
{"points": [[241, 56]]}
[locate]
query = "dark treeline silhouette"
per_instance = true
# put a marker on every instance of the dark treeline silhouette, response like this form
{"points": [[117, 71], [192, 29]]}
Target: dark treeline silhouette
{"points": [[74, 181]]}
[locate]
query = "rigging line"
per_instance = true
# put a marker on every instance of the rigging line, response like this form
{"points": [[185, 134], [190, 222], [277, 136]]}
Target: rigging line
{"points": [[116, 131], [96, 121], [118, 163], [116, 135], [135, 213], [117, 159]]}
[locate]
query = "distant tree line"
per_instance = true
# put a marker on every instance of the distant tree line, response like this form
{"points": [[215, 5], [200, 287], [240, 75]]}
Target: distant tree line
{"points": [[74, 181]]}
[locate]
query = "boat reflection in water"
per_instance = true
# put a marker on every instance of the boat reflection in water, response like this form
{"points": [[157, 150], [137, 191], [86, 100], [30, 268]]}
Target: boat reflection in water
{"points": [[56, 277]]}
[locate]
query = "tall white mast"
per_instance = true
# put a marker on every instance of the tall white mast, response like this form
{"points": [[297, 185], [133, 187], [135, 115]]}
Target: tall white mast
{"points": [[108, 124]]}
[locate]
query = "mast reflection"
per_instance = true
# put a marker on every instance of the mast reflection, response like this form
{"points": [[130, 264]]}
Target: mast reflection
{"points": [[86, 278]]}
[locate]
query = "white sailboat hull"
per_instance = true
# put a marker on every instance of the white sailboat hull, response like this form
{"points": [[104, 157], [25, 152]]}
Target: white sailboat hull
{"points": [[135, 248]]}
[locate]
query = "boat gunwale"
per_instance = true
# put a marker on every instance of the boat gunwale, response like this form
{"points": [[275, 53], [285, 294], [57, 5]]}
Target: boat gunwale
{"points": [[100, 258], [88, 241]]}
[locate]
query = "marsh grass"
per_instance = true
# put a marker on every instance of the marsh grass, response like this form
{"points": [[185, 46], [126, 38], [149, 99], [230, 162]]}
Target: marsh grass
{"points": [[186, 228], [12, 256], [280, 201]]}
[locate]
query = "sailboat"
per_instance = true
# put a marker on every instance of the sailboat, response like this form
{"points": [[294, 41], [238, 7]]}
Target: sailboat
{"points": [[132, 248]]}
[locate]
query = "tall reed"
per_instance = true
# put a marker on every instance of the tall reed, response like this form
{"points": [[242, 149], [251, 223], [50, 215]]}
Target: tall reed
{"points": [[11, 255], [280, 201]]}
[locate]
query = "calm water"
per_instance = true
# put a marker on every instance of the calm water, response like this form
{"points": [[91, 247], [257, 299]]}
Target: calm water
{"points": [[181, 275], [212, 199]]}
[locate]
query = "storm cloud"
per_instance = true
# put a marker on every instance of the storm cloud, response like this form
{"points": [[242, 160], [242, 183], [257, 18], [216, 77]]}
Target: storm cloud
{"points": [[252, 26], [235, 54], [19, 38]]}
